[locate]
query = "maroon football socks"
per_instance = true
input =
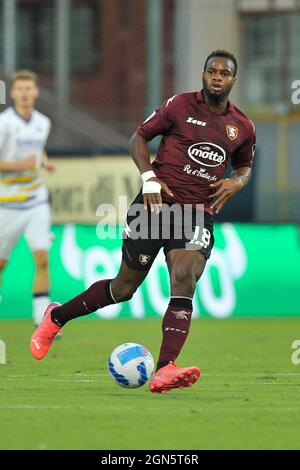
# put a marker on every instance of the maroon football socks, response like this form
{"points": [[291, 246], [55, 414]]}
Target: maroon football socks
{"points": [[175, 328], [98, 295]]}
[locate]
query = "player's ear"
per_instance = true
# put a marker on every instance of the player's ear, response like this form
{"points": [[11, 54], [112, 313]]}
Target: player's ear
{"points": [[11, 91], [235, 80]]}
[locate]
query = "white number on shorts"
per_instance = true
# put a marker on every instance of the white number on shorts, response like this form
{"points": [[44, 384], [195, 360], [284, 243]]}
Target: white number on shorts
{"points": [[205, 239]]}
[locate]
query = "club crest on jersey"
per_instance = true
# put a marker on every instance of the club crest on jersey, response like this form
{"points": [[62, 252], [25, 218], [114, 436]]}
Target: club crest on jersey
{"points": [[232, 132], [144, 259]]}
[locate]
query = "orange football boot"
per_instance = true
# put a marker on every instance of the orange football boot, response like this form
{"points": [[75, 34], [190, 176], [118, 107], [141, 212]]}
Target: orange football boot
{"points": [[171, 376], [44, 334]]}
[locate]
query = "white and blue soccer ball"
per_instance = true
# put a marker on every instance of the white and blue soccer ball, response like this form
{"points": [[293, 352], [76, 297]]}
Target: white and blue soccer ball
{"points": [[131, 365]]}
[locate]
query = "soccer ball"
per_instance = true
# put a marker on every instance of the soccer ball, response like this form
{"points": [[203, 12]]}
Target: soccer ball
{"points": [[131, 365]]}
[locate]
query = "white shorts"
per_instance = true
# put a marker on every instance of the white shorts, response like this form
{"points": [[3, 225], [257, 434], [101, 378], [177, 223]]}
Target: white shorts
{"points": [[34, 223]]}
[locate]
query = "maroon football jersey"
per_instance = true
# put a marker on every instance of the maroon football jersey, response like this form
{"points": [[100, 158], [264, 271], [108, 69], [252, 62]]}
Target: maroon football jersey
{"points": [[197, 145]]}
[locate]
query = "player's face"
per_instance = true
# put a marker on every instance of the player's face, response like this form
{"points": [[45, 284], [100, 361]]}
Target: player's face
{"points": [[24, 93], [218, 78]]}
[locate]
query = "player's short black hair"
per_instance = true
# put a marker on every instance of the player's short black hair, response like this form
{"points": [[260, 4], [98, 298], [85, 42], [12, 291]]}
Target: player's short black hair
{"points": [[225, 55]]}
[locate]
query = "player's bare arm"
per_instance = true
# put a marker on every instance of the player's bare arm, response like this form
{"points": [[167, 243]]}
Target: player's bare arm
{"points": [[141, 157], [26, 164], [47, 164], [225, 189]]}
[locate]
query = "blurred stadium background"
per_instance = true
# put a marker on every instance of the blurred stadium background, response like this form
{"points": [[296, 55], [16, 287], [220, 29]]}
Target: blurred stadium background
{"points": [[104, 65]]}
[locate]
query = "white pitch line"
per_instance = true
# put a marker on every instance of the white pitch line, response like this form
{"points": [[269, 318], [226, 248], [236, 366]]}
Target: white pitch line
{"points": [[62, 407], [71, 377], [69, 380], [274, 383], [247, 407], [60, 375], [250, 374], [203, 374]]}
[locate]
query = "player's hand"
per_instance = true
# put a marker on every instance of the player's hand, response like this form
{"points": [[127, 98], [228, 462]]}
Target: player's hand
{"points": [[154, 200], [224, 190], [28, 163], [49, 166]]}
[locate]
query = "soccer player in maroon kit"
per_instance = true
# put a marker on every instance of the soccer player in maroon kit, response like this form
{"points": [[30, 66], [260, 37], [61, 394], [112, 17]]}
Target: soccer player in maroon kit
{"points": [[202, 133]]}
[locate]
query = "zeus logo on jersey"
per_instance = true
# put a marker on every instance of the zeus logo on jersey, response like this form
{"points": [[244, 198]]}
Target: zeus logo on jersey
{"points": [[207, 154], [191, 120]]}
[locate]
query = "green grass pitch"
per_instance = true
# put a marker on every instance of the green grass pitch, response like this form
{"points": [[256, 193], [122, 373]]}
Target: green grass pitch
{"points": [[247, 396]]}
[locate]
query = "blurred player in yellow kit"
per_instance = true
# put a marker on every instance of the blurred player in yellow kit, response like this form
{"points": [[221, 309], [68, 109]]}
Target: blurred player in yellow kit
{"points": [[24, 207]]}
